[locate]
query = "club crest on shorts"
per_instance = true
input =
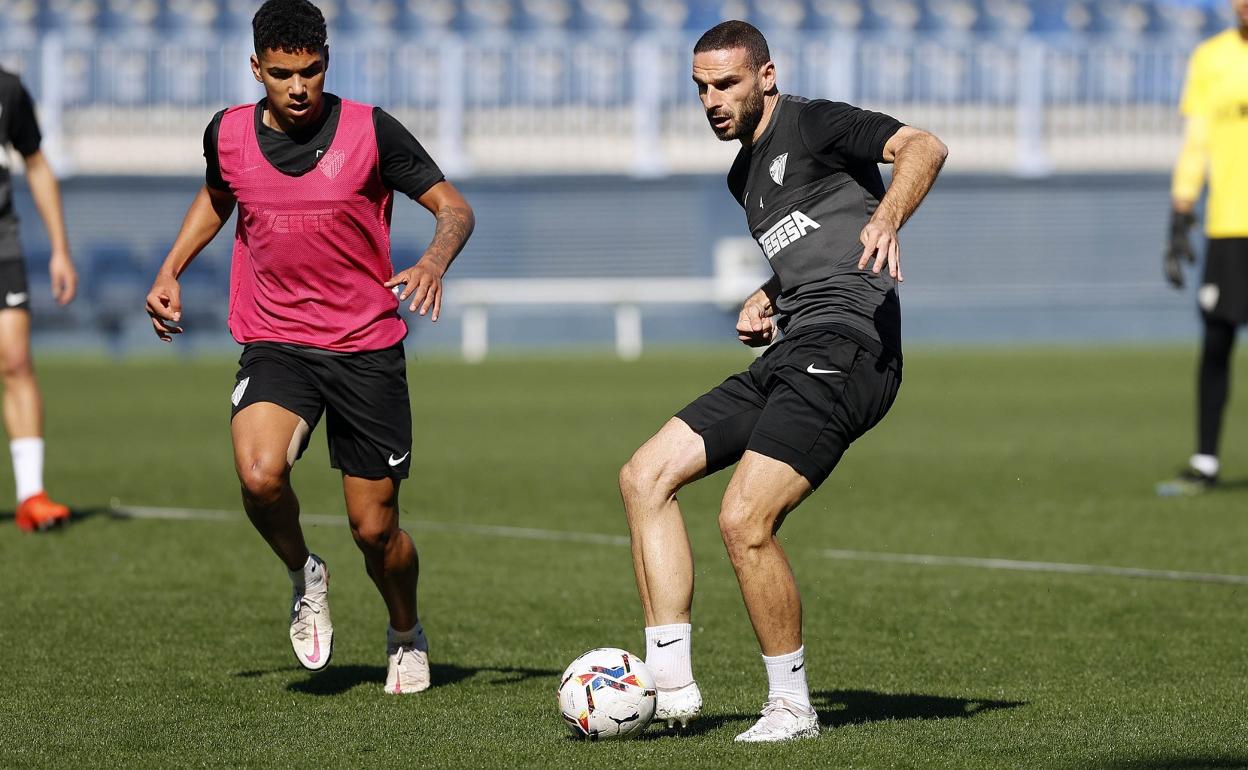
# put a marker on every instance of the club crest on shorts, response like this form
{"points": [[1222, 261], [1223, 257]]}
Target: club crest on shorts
{"points": [[777, 168], [1207, 297], [332, 162], [239, 389]]}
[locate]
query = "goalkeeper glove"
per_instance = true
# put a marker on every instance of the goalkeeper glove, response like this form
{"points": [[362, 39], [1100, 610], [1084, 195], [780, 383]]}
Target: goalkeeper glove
{"points": [[1179, 249]]}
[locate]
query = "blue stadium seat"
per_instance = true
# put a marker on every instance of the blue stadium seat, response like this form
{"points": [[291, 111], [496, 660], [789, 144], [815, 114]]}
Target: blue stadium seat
{"points": [[234, 17], [122, 75], [897, 17], [662, 16], [842, 15], [543, 16], [113, 283], [426, 17], [950, 18], [779, 16], [1006, 18], [72, 20], [1188, 20], [603, 15], [1122, 18], [1061, 17], [19, 22], [365, 20], [197, 70], [127, 19], [487, 15], [188, 19]]}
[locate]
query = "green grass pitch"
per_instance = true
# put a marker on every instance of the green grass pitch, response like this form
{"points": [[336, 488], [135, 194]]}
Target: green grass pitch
{"points": [[159, 643]]}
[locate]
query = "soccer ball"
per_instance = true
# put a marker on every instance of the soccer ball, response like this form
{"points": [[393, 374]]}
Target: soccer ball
{"points": [[607, 693]]}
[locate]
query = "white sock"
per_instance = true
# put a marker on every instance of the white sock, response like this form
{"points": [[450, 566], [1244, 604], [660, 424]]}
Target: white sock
{"points": [[667, 655], [786, 678], [1206, 464], [310, 574], [27, 456], [416, 633]]}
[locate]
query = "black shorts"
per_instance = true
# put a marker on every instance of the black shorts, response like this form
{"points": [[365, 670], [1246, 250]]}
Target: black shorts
{"points": [[1223, 293], [802, 403], [14, 290], [363, 395]]}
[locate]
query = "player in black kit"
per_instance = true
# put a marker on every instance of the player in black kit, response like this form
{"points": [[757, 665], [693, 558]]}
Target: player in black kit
{"points": [[807, 178], [23, 404]]}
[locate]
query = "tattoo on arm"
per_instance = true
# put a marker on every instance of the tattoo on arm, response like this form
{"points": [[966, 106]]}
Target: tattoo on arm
{"points": [[917, 163], [454, 225]]}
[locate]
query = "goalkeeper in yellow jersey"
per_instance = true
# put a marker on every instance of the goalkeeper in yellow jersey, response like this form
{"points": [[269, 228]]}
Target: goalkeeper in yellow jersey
{"points": [[1215, 145]]}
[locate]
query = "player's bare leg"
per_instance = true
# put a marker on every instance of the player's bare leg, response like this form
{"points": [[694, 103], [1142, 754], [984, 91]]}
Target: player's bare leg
{"points": [[267, 438], [761, 493], [23, 420], [23, 406], [663, 561], [392, 563], [389, 553]]}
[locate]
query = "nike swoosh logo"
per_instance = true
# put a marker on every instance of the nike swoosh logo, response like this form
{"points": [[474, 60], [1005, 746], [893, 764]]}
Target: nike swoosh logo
{"points": [[315, 657], [667, 644], [799, 667], [815, 370], [395, 461], [14, 298]]}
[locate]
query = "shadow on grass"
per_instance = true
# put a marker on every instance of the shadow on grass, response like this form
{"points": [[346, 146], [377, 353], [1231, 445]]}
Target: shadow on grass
{"points": [[335, 680], [851, 707], [838, 708], [1231, 485]]}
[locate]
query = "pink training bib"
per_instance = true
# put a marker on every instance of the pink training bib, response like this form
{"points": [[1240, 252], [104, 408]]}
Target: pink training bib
{"points": [[311, 252]]}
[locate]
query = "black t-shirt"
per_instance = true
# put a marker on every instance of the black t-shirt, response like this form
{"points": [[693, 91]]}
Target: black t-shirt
{"points": [[808, 186], [405, 165], [18, 128]]}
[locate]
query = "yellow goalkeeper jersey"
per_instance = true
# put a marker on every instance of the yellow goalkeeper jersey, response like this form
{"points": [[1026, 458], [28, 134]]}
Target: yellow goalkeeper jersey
{"points": [[1216, 91]]}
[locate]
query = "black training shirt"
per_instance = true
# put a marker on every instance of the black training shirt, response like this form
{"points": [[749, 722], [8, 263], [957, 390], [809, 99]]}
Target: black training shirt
{"points": [[405, 166], [808, 186], [18, 128]]}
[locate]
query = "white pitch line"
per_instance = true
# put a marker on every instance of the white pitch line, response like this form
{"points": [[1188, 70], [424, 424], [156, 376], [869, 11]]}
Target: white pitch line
{"points": [[489, 530], [926, 560], [593, 538]]}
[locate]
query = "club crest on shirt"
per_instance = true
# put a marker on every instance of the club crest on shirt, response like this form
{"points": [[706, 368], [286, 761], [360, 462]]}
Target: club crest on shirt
{"points": [[332, 162], [777, 168]]}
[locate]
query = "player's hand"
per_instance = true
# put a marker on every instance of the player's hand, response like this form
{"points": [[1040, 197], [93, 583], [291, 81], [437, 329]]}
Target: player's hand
{"points": [[423, 283], [880, 242], [755, 326], [64, 278], [164, 305], [1179, 250]]}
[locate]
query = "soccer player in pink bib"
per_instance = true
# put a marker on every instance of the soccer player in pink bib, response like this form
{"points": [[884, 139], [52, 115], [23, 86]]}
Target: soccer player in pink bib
{"points": [[314, 301]]}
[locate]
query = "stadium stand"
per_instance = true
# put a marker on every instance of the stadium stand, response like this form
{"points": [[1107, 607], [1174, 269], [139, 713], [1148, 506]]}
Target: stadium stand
{"points": [[507, 89]]}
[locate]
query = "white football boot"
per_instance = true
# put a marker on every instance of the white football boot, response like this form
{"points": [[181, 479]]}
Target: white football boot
{"points": [[311, 630], [408, 665], [679, 706], [782, 721]]}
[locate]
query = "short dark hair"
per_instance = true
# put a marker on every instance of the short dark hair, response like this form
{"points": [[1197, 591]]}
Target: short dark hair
{"points": [[292, 26], [735, 34]]}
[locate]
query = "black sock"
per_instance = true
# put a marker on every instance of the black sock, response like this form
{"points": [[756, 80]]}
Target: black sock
{"points": [[1214, 382]]}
